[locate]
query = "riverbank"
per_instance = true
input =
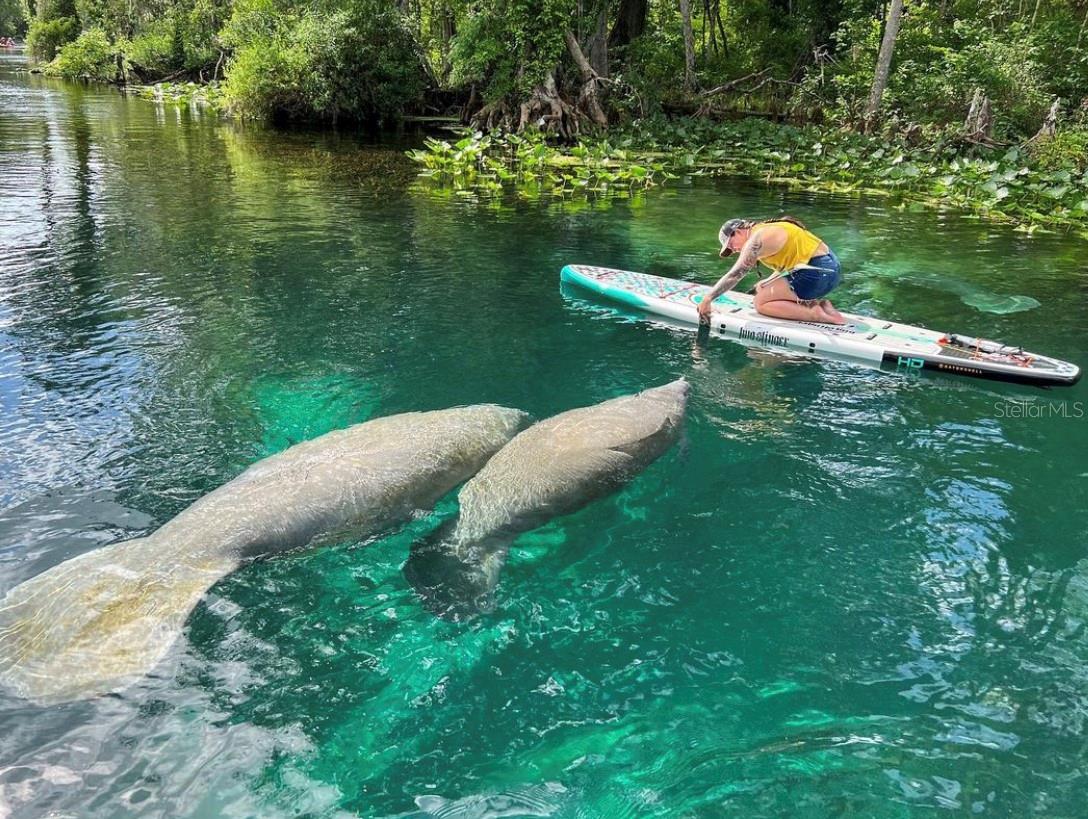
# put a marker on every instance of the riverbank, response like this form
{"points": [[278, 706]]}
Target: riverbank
{"points": [[1033, 188]]}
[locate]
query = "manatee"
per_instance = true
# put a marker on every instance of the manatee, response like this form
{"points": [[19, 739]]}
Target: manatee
{"points": [[554, 467], [100, 621]]}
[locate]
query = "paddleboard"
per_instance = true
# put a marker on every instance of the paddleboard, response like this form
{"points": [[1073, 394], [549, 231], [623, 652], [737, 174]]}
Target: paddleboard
{"points": [[865, 340]]}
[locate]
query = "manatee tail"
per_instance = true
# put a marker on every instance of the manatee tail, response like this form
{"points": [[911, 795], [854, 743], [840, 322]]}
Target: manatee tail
{"points": [[98, 622], [454, 580]]}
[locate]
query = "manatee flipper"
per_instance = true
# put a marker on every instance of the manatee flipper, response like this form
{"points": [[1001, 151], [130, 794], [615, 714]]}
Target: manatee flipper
{"points": [[449, 585]]}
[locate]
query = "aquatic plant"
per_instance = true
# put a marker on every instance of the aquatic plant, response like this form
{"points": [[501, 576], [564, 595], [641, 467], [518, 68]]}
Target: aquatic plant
{"points": [[529, 165], [209, 95], [1014, 184]]}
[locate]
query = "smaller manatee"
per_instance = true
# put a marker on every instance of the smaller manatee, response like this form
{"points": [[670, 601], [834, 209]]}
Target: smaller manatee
{"points": [[555, 467]]}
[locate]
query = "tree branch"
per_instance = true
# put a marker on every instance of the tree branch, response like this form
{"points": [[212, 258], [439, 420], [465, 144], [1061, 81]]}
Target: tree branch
{"points": [[733, 84]]}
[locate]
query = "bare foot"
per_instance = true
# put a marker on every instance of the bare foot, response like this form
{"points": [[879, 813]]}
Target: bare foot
{"points": [[834, 316]]}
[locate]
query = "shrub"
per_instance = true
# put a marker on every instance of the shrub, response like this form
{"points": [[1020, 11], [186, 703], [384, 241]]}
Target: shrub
{"points": [[152, 50], [90, 55], [358, 63], [937, 67], [47, 36], [200, 29], [360, 67], [265, 78], [1066, 150], [12, 18]]}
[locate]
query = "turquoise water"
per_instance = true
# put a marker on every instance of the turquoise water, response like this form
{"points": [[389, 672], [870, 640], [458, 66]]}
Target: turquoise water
{"points": [[845, 592]]}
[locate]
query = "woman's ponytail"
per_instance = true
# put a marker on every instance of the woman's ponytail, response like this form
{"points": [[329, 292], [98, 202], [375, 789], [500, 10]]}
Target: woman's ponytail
{"points": [[785, 217]]}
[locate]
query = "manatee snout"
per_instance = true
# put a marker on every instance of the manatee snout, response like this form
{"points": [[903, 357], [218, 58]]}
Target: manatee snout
{"points": [[674, 393]]}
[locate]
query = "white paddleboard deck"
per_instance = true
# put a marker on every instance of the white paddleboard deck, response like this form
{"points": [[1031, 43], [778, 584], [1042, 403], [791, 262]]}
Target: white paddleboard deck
{"points": [[863, 339]]}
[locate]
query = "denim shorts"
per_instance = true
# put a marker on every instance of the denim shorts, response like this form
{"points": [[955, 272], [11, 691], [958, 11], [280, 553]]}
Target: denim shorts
{"points": [[818, 277]]}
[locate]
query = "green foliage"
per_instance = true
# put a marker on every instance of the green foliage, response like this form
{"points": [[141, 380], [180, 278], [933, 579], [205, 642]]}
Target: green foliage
{"points": [[1067, 150], [943, 65], [158, 36], [361, 64], [90, 56], [45, 10], [1006, 184], [811, 60], [659, 61], [13, 18], [199, 28], [357, 61], [153, 48], [939, 62], [46, 37], [509, 46]]}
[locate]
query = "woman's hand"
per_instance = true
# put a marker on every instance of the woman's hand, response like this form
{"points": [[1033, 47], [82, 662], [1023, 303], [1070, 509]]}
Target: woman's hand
{"points": [[705, 306]]}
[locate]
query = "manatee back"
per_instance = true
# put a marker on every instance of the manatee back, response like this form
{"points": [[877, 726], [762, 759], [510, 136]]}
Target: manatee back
{"points": [[564, 462], [349, 482]]}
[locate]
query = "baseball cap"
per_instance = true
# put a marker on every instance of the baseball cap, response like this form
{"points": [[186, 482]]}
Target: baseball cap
{"points": [[727, 230]]}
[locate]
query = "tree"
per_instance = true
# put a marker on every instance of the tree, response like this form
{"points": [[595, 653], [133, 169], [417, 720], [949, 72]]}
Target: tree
{"points": [[689, 46], [630, 23], [12, 18], [884, 59]]}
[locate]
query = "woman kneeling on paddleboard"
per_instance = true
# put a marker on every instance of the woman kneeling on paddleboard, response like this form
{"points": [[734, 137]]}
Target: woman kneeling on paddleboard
{"points": [[805, 269]]}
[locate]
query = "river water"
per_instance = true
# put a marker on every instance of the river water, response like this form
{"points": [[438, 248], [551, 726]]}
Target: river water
{"points": [[844, 593]]}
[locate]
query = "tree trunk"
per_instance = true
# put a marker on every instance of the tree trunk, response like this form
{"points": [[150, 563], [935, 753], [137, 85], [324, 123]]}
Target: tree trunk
{"points": [[1050, 124], [721, 26], [884, 60], [708, 23], [630, 23], [598, 44], [447, 28], [1035, 13], [689, 46], [588, 100], [980, 120]]}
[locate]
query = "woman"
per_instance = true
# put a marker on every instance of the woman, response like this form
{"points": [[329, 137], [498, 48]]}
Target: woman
{"points": [[805, 269]]}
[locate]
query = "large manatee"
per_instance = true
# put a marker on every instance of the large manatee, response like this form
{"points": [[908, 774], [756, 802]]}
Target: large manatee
{"points": [[552, 468], [99, 621]]}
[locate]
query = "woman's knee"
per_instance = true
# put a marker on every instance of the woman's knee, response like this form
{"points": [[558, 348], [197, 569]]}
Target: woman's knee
{"points": [[777, 290]]}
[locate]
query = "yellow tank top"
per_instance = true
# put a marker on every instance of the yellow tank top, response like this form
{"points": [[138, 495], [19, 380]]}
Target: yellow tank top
{"points": [[799, 247]]}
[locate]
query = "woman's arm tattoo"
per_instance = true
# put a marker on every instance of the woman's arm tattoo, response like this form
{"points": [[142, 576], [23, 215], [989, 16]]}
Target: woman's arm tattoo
{"points": [[749, 258]]}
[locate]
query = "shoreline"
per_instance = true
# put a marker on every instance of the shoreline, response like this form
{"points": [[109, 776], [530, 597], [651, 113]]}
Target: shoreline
{"points": [[1004, 185]]}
